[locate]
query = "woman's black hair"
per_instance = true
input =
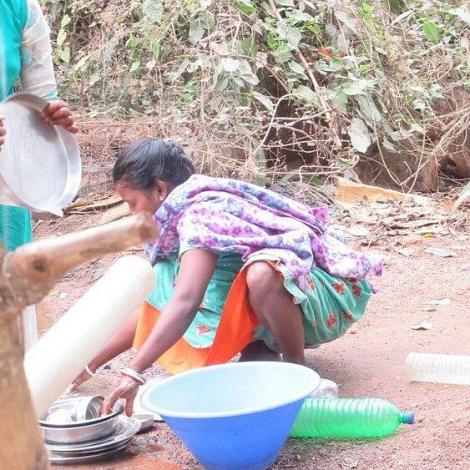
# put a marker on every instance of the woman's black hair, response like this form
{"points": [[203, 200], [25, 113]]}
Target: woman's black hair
{"points": [[149, 160]]}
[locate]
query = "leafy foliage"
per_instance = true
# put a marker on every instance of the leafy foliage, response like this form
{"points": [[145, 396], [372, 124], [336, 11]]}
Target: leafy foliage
{"points": [[257, 81]]}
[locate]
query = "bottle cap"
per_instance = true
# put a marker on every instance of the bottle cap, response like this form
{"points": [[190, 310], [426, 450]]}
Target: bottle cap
{"points": [[407, 418]]}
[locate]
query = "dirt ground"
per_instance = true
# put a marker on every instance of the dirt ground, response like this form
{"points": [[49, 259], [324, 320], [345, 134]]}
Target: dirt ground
{"points": [[367, 362]]}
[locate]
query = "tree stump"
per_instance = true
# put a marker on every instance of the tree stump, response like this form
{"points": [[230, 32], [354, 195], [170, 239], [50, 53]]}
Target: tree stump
{"points": [[26, 276]]}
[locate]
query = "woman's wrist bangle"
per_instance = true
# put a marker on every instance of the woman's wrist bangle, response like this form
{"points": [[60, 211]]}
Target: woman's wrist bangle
{"points": [[89, 371], [133, 374]]}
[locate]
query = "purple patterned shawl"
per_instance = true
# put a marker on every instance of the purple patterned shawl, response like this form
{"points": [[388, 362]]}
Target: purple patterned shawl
{"points": [[230, 216]]}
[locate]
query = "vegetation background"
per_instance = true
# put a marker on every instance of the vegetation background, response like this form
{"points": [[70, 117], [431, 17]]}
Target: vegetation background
{"points": [[275, 89]]}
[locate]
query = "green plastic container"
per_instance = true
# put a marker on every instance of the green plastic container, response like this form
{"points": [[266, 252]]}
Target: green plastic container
{"points": [[347, 418]]}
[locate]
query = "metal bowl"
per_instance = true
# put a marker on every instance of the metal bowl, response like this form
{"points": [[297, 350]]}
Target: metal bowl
{"points": [[77, 411], [40, 167], [125, 429], [81, 433]]}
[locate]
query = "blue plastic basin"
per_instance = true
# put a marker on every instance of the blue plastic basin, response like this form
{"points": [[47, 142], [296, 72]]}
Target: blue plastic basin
{"points": [[234, 416]]}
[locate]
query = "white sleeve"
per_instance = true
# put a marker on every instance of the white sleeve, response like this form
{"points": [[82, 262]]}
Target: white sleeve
{"points": [[37, 73]]}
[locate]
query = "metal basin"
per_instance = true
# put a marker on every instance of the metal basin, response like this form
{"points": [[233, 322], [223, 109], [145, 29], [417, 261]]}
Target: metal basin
{"points": [[76, 411], [125, 429], [64, 428], [96, 450], [74, 434]]}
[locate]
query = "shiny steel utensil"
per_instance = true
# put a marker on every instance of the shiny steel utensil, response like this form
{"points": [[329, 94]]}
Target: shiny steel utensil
{"points": [[146, 421], [125, 429], [80, 433], [88, 408], [57, 459], [74, 408]]}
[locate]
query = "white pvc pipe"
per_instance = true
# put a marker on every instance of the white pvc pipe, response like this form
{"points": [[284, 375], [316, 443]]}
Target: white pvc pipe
{"points": [[62, 353], [30, 328]]}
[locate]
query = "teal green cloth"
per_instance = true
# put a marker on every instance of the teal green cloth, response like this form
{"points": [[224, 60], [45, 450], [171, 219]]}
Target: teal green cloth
{"points": [[330, 305], [15, 227], [15, 222], [201, 332], [12, 23]]}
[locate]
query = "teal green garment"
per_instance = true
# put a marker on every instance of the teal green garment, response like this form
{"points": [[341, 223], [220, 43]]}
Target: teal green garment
{"points": [[15, 222], [12, 23], [330, 305], [201, 332]]}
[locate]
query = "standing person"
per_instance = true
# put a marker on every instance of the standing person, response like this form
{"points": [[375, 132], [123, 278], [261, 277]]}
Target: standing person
{"points": [[239, 269], [26, 60]]}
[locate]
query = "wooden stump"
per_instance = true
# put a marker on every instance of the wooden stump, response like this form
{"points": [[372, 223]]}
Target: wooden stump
{"points": [[26, 276]]}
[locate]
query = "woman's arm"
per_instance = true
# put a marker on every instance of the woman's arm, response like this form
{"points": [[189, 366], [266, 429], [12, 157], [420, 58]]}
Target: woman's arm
{"points": [[196, 270]]}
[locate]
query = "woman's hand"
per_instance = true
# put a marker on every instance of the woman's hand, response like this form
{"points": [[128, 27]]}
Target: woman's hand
{"points": [[3, 130], [126, 389], [82, 377], [57, 113]]}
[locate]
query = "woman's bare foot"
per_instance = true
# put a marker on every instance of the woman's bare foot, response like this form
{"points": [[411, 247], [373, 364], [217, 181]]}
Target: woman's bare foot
{"points": [[258, 351]]}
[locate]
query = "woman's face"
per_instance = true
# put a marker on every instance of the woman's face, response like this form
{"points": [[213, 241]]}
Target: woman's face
{"points": [[140, 201]]}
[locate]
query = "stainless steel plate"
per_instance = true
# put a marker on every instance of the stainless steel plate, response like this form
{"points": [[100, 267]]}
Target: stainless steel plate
{"points": [[71, 460], [125, 429], [79, 453], [40, 166], [146, 421]]}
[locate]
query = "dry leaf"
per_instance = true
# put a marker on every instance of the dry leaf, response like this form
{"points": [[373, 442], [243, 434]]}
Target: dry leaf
{"points": [[358, 231], [406, 251], [445, 301], [443, 253]]}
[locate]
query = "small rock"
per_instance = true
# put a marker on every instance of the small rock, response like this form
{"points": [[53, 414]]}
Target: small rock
{"points": [[424, 325], [348, 462]]}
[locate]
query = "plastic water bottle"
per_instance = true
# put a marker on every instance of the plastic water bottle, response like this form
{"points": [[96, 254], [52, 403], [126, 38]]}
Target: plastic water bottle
{"points": [[348, 418], [439, 368]]}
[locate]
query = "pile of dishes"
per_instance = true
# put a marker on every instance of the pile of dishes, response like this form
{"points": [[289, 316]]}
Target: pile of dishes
{"points": [[74, 431]]}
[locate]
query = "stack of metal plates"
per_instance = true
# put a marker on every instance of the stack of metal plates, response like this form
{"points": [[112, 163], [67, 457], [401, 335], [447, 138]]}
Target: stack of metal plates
{"points": [[98, 449], [75, 432]]}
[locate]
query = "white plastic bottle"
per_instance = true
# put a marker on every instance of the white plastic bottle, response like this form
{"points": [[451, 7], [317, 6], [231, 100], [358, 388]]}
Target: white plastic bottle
{"points": [[438, 368]]}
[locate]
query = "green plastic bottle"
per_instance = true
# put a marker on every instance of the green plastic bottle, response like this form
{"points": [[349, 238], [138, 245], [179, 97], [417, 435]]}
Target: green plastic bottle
{"points": [[346, 418]]}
